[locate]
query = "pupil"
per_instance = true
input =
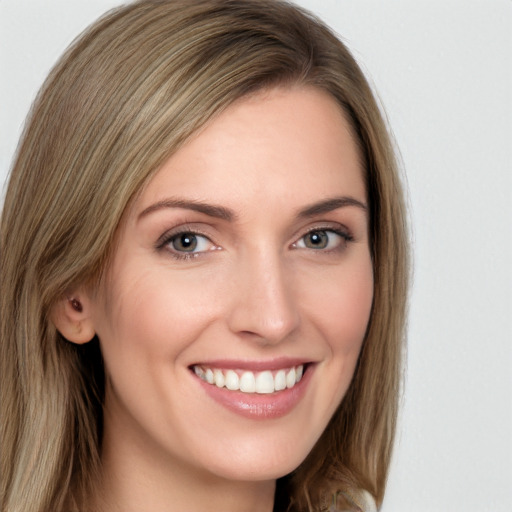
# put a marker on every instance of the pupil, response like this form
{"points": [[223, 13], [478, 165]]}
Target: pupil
{"points": [[317, 239], [186, 242]]}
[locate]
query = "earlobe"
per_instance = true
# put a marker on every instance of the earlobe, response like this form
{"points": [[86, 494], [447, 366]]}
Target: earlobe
{"points": [[71, 316]]}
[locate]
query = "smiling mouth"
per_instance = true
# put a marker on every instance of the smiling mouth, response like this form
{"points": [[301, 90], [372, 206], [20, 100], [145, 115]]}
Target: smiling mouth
{"points": [[263, 382]]}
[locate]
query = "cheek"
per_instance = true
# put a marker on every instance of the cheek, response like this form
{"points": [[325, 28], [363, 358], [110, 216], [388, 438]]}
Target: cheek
{"points": [[342, 306], [339, 309], [153, 314], [144, 335]]}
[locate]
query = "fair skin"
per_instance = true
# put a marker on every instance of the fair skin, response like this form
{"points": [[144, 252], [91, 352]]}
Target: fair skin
{"points": [[247, 253]]}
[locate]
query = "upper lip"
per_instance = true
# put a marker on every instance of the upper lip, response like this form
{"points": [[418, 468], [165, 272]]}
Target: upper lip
{"points": [[253, 365]]}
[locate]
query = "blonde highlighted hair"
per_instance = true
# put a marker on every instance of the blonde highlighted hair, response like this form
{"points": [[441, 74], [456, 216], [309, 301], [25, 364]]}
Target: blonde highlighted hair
{"points": [[122, 99]]}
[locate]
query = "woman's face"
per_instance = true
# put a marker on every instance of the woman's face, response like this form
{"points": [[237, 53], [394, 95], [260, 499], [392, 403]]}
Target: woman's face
{"points": [[243, 263]]}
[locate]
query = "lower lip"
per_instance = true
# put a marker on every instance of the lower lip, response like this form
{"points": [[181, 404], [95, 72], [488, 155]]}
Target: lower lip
{"points": [[259, 406]]}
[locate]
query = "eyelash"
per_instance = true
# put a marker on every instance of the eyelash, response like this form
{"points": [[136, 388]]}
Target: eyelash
{"points": [[165, 240], [345, 235]]}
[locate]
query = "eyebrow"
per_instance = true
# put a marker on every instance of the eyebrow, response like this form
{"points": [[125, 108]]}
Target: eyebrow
{"points": [[219, 212], [329, 205]]}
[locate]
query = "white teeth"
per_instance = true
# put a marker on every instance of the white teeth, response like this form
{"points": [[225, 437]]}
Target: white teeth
{"points": [[248, 382], [219, 378], [232, 380], [290, 378], [264, 382], [280, 380], [299, 372]]}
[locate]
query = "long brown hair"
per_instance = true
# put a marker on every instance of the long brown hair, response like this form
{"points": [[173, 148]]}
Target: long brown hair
{"points": [[122, 99]]}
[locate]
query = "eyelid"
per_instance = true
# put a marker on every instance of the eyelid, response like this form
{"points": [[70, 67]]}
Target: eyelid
{"points": [[165, 239], [338, 229], [335, 227], [190, 228]]}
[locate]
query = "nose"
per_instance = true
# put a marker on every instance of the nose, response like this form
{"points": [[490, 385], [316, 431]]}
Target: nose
{"points": [[264, 306]]}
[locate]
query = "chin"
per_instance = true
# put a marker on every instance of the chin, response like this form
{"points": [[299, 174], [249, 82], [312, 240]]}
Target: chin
{"points": [[259, 459]]}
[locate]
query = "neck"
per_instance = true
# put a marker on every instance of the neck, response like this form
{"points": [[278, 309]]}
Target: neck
{"points": [[180, 493], [136, 478]]}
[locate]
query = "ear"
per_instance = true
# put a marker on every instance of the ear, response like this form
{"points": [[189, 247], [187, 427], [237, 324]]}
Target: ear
{"points": [[71, 315]]}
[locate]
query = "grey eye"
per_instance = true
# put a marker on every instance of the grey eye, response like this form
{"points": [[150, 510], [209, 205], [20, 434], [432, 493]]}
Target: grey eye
{"points": [[185, 242], [316, 240], [322, 239]]}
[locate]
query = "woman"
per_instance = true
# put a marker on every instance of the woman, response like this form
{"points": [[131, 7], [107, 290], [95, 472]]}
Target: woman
{"points": [[204, 270]]}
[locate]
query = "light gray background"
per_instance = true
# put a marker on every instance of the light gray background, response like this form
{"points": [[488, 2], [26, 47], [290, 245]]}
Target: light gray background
{"points": [[443, 71]]}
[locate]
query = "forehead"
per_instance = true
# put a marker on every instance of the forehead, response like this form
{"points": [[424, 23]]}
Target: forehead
{"points": [[290, 143]]}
